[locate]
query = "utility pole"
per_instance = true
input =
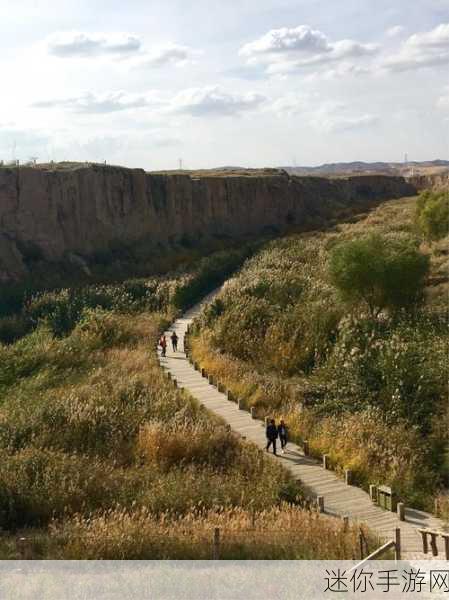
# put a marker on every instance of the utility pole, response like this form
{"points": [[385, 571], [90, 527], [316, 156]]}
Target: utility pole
{"points": [[180, 164]]}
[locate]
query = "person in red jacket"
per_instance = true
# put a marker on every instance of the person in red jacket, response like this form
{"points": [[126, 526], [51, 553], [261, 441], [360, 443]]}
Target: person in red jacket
{"points": [[163, 345]]}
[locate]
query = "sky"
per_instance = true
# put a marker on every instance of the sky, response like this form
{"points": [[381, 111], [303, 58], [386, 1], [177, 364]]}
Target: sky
{"points": [[251, 83]]}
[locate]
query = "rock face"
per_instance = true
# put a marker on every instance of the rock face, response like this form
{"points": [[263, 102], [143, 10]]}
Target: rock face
{"points": [[437, 181], [55, 214]]}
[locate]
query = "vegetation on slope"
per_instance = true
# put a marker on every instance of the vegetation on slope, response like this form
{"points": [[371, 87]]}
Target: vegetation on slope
{"points": [[362, 378], [432, 214], [102, 458]]}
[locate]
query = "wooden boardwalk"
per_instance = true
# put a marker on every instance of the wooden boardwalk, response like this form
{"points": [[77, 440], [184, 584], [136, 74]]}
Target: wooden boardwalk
{"points": [[339, 499]]}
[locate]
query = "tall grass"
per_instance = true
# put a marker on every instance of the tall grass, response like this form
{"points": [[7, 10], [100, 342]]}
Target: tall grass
{"points": [[283, 532], [62, 309], [371, 392], [102, 457]]}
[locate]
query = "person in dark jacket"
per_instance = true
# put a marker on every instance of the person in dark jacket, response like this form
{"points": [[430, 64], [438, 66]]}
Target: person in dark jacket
{"points": [[283, 434], [174, 341], [272, 434]]}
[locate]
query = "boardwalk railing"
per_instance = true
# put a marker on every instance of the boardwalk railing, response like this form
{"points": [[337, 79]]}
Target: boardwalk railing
{"points": [[391, 544], [304, 470], [433, 535]]}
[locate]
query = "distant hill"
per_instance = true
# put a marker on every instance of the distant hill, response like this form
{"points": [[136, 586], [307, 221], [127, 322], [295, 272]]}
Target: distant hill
{"points": [[360, 167]]}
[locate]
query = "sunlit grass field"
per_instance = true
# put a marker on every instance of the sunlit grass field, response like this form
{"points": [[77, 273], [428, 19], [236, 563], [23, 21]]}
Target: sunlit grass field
{"points": [[372, 394], [103, 458]]}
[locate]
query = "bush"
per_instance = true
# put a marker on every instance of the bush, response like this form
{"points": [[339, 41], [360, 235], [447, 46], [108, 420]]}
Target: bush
{"points": [[400, 368], [374, 450], [61, 310], [179, 444], [379, 271], [432, 214], [37, 485]]}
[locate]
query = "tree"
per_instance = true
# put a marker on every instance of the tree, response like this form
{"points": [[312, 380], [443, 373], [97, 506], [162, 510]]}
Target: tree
{"points": [[380, 272], [432, 214]]}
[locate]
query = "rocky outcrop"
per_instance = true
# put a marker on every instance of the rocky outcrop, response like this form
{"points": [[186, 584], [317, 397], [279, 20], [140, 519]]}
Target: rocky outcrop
{"points": [[436, 181], [50, 215]]}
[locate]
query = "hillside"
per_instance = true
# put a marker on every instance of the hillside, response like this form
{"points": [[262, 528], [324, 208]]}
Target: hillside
{"points": [[369, 392], [103, 458]]}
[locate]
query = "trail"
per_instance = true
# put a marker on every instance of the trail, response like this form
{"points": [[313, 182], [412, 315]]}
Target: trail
{"points": [[340, 499]]}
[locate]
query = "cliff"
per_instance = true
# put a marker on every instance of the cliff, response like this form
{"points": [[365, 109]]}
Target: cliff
{"points": [[49, 215], [436, 181]]}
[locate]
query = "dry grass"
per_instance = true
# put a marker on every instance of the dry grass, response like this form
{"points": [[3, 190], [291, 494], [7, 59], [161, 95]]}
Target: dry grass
{"points": [[373, 397], [92, 434], [283, 532]]}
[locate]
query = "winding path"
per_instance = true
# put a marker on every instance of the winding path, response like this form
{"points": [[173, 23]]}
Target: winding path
{"points": [[339, 499]]}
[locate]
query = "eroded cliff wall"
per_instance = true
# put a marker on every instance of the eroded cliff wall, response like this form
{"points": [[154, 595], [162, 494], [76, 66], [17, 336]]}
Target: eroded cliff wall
{"points": [[57, 213], [436, 181]]}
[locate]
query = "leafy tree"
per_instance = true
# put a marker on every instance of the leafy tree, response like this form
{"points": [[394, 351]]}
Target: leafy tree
{"points": [[432, 214], [379, 271]]}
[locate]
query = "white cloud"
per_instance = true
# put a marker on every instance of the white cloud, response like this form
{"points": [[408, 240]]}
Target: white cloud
{"points": [[171, 54], [291, 104], [426, 49], [73, 44], [338, 71], [204, 101], [395, 31], [214, 101], [336, 123], [118, 45], [288, 49], [100, 103], [299, 39], [323, 115]]}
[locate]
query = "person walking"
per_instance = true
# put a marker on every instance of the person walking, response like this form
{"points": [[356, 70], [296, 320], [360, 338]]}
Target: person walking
{"points": [[283, 434], [174, 341], [272, 434], [163, 345]]}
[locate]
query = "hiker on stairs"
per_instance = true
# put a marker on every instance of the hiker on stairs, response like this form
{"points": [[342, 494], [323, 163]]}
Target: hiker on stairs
{"points": [[174, 341], [272, 434], [283, 434], [163, 345]]}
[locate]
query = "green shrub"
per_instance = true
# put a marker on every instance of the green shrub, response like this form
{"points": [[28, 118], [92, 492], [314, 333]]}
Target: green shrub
{"points": [[399, 367], [379, 271], [432, 214]]}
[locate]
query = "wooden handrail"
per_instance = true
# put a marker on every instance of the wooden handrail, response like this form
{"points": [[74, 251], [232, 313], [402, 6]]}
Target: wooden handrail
{"points": [[433, 541], [396, 544], [387, 546]]}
